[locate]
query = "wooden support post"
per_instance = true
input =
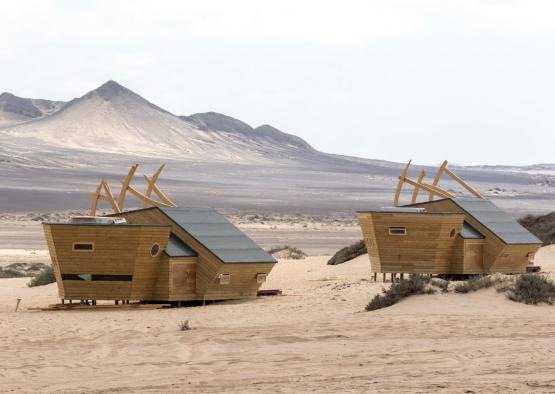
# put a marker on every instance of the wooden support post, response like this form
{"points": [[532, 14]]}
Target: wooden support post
{"points": [[375, 276], [400, 184], [402, 276], [115, 302], [437, 178], [384, 279], [70, 301], [417, 188], [63, 301]]}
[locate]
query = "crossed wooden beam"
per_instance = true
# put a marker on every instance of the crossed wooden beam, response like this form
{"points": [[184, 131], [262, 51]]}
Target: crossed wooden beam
{"points": [[433, 189], [103, 192]]}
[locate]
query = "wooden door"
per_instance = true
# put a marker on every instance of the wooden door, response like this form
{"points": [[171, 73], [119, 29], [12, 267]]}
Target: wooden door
{"points": [[183, 278], [473, 258]]}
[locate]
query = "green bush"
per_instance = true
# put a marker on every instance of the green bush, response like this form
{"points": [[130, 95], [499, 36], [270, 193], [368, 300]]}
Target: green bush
{"points": [[474, 283], [287, 252], [414, 285], [532, 289], [348, 253], [44, 277]]}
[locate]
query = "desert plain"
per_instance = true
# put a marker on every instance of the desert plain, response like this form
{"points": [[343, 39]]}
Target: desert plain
{"points": [[315, 337]]}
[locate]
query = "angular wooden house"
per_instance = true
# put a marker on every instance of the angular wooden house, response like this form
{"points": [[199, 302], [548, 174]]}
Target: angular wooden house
{"points": [[156, 254], [451, 235]]}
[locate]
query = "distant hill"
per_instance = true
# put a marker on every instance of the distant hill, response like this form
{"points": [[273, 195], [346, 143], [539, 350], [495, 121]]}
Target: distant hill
{"points": [[267, 133], [15, 110], [52, 151], [114, 119]]}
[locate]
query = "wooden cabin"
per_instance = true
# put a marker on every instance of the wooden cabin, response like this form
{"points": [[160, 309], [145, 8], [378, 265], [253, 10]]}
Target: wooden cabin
{"points": [[159, 253], [162, 254], [451, 235]]}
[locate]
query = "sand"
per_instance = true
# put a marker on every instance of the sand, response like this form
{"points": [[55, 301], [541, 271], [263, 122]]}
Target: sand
{"points": [[314, 338]]}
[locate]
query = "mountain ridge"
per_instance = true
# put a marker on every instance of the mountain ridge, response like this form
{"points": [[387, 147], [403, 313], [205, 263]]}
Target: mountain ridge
{"points": [[15, 109], [113, 118]]}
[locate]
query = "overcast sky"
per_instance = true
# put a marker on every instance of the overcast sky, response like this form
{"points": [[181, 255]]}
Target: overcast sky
{"points": [[468, 81]]}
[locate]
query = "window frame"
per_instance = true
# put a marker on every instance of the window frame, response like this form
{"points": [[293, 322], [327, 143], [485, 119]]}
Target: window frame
{"points": [[398, 234], [224, 279], [97, 278], [73, 249], [158, 249], [261, 277]]}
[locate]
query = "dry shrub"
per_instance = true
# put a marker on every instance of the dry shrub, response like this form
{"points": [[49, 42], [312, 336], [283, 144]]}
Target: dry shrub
{"points": [[287, 252], [414, 285], [184, 325], [542, 226], [532, 289], [442, 284], [44, 277], [474, 283], [8, 272], [348, 253]]}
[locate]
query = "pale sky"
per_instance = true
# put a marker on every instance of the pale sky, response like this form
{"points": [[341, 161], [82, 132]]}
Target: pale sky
{"points": [[468, 81]]}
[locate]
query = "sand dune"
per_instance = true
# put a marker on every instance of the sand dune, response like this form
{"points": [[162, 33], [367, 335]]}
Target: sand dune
{"points": [[315, 337]]}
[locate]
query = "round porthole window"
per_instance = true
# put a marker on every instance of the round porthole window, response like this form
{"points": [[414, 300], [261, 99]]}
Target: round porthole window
{"points": [[154, 250], [452, 233]]}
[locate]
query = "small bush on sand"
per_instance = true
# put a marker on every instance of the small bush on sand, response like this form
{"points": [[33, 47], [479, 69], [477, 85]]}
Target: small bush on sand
{"points": [[184, 325], [348, 253], [20, 270], [474, 283], [414, 285], [44, 277], [532, 289], [287, 252], [442, 284], [7, 272]]}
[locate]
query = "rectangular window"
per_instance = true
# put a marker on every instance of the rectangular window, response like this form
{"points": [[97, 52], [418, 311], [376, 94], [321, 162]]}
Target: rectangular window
{"points": [[261, 278], [225, 279], [98, 277], [83, 246], [397, 231]]}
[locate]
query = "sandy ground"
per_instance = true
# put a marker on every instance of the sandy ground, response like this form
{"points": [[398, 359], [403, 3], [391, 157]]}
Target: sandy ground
{"points": [[314, 338]]}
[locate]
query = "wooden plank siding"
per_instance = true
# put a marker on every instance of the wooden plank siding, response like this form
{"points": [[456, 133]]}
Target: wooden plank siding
{"points": [[209, 266], [54, 260], [497, 255], [427, 247], [118, 250]]}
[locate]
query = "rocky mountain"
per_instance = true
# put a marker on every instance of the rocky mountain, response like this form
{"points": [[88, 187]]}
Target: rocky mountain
{"points": [[16, 110], [51, 152], [114, 119], [227, 124]]}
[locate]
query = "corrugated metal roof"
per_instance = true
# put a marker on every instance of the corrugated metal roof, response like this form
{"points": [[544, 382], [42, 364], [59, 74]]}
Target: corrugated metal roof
{"points": [[218, 235], [177, 248], [468, 231], [496, 220]]}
